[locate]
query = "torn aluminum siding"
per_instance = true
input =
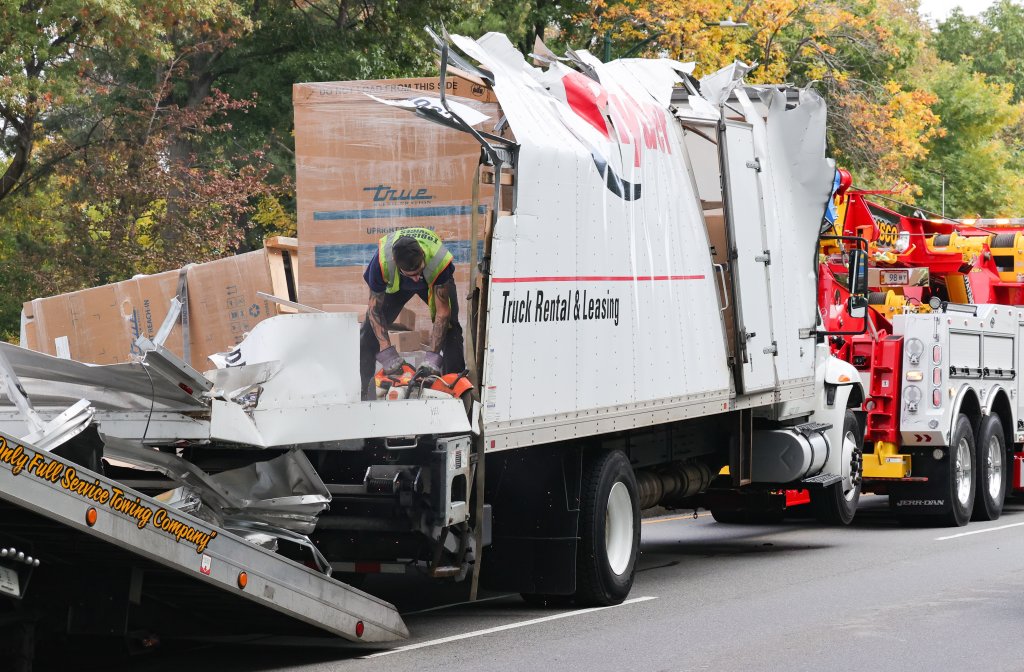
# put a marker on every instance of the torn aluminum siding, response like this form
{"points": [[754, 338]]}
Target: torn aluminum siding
{"points": [[605, 215], [303, 388]]}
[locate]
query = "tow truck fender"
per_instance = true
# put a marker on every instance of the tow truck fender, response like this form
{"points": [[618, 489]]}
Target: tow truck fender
{"points": [[958, 400], [840, 380], [986, 408]]}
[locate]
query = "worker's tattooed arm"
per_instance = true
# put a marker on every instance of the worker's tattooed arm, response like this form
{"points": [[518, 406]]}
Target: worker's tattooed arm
{"points": [[379, 323], [443, 314]]}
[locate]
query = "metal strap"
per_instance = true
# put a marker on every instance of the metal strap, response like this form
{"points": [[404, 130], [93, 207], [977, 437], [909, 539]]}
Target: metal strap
{"points": [[186, 349]]}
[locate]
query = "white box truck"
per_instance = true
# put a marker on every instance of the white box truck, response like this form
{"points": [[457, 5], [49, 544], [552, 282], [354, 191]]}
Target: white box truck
{"points": [[641, 315]]}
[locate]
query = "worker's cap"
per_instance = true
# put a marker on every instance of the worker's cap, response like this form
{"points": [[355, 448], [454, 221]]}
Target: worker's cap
{"points": [[408, 254]]}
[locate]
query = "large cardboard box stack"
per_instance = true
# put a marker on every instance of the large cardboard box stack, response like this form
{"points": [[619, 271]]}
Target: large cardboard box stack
{"points": [[365, 169], [99, 325]]}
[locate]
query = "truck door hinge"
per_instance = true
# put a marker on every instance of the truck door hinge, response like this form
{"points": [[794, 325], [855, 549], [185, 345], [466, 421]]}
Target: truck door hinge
{"points": [[747, 335], [772, 349], [765, 258], [807, 333], [755, 164]]}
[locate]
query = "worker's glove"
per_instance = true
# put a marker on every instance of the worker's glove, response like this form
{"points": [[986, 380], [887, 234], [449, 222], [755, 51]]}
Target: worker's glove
{"points": [[390, 360], [431, 365]]}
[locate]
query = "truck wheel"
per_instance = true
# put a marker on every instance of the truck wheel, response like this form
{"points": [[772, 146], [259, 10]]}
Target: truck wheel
{"points": [[837, 504], [960, 474], [990, 490], [609, 531]]}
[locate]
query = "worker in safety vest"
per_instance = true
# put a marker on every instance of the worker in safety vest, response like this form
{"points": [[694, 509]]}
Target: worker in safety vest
{"points": [[411, 262]]}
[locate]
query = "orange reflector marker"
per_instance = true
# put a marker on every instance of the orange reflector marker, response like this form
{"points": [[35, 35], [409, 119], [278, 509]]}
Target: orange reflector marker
{"points": [[243, 580], [844, 378], [359, 628], [90, 516]]}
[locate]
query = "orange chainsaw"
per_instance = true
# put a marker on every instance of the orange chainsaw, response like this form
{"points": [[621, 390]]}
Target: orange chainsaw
{"points": [[408, 385]]}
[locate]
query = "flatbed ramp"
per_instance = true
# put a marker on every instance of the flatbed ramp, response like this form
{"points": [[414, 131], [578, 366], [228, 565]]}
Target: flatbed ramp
{"points": [[52, 502]]}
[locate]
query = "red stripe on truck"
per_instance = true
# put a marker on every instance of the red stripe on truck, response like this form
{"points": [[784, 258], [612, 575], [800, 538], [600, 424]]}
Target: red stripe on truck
{"points": [[600, 278]]}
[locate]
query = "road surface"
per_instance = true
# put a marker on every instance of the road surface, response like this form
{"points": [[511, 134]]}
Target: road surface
{"points": [[790, 596]]}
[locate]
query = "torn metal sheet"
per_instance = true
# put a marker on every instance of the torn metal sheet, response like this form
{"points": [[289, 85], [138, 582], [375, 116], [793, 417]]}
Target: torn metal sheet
{"points": [[310, 393], [657, 77], [230, 383], [254, 532], [327, 424], [64, 427], [285, 492], [54, 382], [431, 108], [718, 86], [313, 359]]}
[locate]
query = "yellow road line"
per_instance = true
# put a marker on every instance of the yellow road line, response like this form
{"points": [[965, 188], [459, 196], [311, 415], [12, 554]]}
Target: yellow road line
{"points": [[690, 516]]}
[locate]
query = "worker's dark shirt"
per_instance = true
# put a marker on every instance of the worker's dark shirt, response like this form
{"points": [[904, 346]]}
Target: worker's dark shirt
{"points": [[374, 278]]}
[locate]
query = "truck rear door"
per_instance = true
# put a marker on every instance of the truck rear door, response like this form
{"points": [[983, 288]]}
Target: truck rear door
{"points": [[750, 259]]}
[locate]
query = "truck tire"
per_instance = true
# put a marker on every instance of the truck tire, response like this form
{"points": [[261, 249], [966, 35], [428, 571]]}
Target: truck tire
{"points": [[960, 480], [609, 531], [990, 490], [836, 505]]}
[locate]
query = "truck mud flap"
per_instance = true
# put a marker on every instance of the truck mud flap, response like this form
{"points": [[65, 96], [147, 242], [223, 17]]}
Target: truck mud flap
{"points": [[922, 498], [72, 496]]}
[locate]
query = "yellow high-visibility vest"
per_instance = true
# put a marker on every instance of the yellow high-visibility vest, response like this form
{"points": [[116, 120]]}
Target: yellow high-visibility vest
{"points": [[436, 258]]}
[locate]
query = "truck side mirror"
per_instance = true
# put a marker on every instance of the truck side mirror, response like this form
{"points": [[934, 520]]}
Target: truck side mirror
{"points": [[857, 306]]}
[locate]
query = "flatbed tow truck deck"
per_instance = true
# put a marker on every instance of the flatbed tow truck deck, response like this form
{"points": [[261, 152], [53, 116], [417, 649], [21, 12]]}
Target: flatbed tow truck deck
{"points": [[150, 558]]}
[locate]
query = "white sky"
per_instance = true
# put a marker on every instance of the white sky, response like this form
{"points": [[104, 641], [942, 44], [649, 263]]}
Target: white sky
{"points": [[938, 10]]}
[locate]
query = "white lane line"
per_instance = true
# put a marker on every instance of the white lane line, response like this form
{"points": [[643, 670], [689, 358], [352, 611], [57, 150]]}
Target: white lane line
{"points": [[990, 529], [457, 604], [509, 626]]}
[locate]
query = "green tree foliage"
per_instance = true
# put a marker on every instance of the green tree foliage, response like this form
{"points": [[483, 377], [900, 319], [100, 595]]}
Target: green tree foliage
{"points": [[973, 156], [560, 23], [48, 75], [137, 136], [993, 43]]}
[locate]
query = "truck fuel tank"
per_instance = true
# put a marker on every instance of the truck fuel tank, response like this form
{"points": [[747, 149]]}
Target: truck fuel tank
{"points": [[789, 454]]}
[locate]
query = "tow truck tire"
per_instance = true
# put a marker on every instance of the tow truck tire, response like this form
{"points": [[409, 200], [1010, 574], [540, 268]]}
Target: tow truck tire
{"points": [[960, 480], [990, 469], [834, 505], [609, 531]]}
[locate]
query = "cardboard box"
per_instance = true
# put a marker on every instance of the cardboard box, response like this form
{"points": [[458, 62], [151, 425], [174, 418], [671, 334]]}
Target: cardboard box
{"points": [[406, 341], [365, 169], [100, 325]]}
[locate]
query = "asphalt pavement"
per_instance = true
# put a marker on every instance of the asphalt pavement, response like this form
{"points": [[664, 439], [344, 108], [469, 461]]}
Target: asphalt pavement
{"points": [[789, 596]]}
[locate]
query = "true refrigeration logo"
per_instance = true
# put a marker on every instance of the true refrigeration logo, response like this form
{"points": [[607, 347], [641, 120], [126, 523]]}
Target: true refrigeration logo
{"points": [[572, 306], [386, 194]]}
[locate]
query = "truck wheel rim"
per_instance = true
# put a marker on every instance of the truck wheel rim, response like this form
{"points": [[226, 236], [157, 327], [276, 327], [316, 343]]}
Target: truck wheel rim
{"points": [[618, 528], [963, 472], [850, 448], [994, 467]]}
